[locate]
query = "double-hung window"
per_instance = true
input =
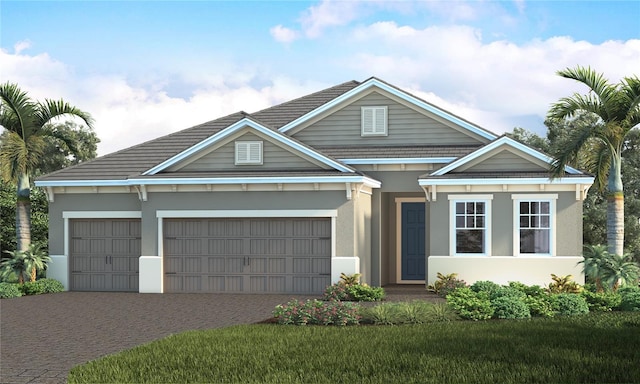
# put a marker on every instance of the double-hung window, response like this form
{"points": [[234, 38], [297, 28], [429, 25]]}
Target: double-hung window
{"points": [[534, 219], [470, 232]]}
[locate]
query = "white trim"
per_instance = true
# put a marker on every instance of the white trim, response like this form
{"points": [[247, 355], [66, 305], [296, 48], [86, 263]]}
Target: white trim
{"points": [[453, 199], [217, 180], [101, 215], [551, 199], [373, 82], [162, 214], [505, 140], [235, 127], [507, 181], [399, 201], [401, 160]]}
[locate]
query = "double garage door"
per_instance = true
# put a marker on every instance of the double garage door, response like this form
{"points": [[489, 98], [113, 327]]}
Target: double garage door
{"points": [[254, 255]]}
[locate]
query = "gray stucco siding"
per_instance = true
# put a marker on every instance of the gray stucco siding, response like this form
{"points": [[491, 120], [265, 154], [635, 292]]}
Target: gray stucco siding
{"points": [[274, 157], [405, 125], [568, 224]]}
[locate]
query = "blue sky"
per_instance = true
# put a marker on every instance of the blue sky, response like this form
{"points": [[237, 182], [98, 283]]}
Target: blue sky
{"points": [[146, 68]]}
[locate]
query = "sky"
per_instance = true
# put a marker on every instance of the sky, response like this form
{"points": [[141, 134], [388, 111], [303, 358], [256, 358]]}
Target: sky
{"points": [[144, 69]]}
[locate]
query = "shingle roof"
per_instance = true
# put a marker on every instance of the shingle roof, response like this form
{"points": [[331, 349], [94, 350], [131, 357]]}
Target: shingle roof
{"points": [[135, 160], [392, 152], [214, 175]]}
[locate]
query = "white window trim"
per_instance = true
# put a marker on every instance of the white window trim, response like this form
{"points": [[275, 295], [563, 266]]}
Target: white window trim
{"points": [[551, 199], [248, 144], [386, 120], [453, 199]]}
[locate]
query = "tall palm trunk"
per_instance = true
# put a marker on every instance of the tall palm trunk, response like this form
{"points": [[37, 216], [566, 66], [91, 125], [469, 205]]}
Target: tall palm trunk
{"points": [[23, 213], [615, 207]]}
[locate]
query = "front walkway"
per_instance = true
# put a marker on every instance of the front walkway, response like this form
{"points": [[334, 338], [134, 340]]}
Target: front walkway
{"points": [[42, 337]]}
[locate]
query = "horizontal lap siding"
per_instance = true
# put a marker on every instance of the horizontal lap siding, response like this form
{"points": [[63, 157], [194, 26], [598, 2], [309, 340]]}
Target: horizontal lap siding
{"points": [[405, 126], [504, 161], [291, 255], [273, 158]]}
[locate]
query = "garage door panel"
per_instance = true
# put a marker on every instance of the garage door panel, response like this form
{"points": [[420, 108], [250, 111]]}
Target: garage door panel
{"points": [[251, 255], [192, 264]]}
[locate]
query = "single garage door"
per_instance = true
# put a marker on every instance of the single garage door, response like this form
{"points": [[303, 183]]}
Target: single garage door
{"points": [[104, 254], [252, 255]]}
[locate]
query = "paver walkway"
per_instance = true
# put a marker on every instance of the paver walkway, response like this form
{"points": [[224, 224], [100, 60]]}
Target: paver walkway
{"points": [[42, 337]]}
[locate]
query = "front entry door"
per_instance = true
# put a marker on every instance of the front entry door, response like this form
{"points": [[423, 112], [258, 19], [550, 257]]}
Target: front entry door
{"points": [[413, 241]]}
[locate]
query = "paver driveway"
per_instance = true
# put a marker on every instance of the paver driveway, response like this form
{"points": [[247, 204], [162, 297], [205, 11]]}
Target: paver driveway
{"points": [[43, 337]]}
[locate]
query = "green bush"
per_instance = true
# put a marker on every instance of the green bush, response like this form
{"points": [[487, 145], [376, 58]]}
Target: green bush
{"points": [[298, 312], [364, 292], [510, 307], [414, 312], [382, 314], [9, 291], [569, 304], [41, 286], [470, 305], [540, 305], [602, 301], [485, 286], [507, 292], [530, 290], [630, 298]]}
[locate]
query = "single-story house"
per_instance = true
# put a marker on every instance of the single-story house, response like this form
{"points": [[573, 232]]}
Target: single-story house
{"points": [[362, 177]]}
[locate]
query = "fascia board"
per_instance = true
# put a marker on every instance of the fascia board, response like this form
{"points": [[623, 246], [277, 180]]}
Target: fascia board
{"points": [[491, 146], [218, 180], [408, 160], [396, 92], [507, 181], [233, 129]]}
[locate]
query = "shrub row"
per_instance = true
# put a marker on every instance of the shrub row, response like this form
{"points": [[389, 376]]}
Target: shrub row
{"points": [[10, 290], [353, 292], [415, 312], [316, 312]]}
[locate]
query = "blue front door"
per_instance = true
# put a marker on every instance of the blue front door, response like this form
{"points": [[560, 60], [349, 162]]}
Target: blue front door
{"points": [[413, 241]]}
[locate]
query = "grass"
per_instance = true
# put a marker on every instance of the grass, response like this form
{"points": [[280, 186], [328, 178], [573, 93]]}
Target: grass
{"points": [[594, 348]]}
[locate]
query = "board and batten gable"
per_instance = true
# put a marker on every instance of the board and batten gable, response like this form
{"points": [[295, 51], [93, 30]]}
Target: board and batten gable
{"points": [[222, 157], [406, 125]]}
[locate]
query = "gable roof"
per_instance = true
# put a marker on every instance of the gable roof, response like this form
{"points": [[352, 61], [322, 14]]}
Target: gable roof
{"points": [[377, 83]]}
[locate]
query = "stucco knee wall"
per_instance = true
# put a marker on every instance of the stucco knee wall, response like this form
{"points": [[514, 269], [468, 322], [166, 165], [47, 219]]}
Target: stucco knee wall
{"points": [[503, 269]]}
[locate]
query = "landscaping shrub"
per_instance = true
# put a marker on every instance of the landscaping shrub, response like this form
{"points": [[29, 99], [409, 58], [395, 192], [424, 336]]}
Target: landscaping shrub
{"points": [[415, 312], [569, 304], [630, 298], [364, 292], [564, 284], [441, 312], [31, 288], [446, 284], [382, 314], [510, 307], [601, 301], [336, 292], [540, 305], [9, 291], [41, 286], [470, 305], [298, 312], [507, 292], [485, 286]]}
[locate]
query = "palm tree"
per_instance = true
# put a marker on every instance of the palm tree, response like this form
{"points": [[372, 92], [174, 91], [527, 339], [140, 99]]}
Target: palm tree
{"points": [[15, 265], [27, 125], [617, 107], [595, 257], [620, 270]]}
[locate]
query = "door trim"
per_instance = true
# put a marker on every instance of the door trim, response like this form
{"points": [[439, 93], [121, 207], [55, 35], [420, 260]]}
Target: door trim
{"points": [[399, 201]]}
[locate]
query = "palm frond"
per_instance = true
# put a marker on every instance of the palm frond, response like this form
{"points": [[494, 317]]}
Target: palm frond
{"points": [[571, 150], [596, 82], [51, 109], [598, 161], [16, 109], [570, 106], [14, 156]]}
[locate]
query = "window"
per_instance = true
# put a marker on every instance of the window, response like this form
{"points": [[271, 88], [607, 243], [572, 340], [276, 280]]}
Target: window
{"points": [[534, 224], [248, 152], [374, 121], [470, 228]]}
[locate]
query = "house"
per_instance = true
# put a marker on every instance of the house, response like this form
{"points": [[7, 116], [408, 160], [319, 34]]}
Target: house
{"points": [[361, 177]]}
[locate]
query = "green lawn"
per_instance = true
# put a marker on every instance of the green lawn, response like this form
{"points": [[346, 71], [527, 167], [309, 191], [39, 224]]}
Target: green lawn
{"points": [[594, 348]]}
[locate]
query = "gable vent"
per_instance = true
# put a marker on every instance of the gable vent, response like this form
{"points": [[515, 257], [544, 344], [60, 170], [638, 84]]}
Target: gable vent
{"points": [[374, 121], [248, 152]]}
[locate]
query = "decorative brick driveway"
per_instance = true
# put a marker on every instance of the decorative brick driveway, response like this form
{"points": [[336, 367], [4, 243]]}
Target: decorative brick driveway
{"points": [[43, 337]]}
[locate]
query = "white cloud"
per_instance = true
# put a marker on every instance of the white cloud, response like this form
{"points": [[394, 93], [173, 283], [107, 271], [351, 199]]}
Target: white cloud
{"points": [[283, 34], [329, 13], [21, 46]]}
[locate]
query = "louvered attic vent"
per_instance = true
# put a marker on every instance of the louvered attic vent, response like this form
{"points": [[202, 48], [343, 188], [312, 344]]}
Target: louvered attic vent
{"points": [[374, 121], [248, 152]]}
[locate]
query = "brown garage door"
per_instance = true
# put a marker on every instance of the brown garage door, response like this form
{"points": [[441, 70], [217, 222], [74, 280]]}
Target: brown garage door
{"points": [[256, 255], [104, 254]]}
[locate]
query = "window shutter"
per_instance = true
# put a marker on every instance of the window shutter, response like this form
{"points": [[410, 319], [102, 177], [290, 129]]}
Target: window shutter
{"points": [[374, 121]]}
